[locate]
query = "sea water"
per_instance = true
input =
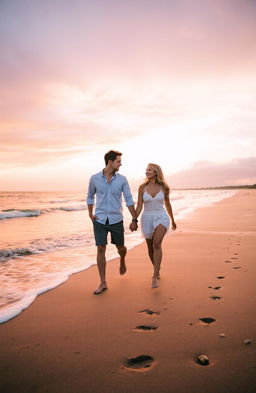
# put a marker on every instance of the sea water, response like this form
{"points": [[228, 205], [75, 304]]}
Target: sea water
{"points": [[48, 236]]}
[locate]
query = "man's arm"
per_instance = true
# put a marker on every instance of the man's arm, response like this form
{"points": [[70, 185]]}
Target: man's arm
{"points": [[127, 193], [90, 199], [90, 212], [133, 225], [130, 204]]}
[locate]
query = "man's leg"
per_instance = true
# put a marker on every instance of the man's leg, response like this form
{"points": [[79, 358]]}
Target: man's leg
{"points": [[101, 263], [100, 234], [122, 252], [117, 238]]}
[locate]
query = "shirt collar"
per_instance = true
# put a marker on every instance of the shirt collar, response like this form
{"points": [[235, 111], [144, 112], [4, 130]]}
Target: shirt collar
{"points": [[102, 174]]}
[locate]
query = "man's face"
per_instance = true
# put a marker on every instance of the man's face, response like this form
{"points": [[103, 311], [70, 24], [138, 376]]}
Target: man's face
{"points": [[115, 165]]}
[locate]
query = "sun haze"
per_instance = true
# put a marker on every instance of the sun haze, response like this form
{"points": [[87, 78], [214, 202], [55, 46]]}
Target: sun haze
{"points": [[166, 82]]}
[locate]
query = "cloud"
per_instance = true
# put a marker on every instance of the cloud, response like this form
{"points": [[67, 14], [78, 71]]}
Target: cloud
{"points": [[210, 174], [78, 76], [88, 40], [69, 120]]}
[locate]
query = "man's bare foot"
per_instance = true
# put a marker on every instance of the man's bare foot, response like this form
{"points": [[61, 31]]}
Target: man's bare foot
{"points": [[122, 269], [103, 287], [154, 282]]}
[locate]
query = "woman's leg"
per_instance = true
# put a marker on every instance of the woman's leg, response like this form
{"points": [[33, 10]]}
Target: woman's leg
{"points": [[122, 252], [150, 250], [158, 236]]}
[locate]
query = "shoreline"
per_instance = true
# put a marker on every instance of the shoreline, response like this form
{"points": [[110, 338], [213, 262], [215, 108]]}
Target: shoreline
{"points": [[89, 258], [82, 342]]}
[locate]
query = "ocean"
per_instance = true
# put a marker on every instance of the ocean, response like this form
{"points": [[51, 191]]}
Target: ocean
{"points": [[47, 236]]}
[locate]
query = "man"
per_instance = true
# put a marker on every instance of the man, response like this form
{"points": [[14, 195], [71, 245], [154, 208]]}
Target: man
{"points": [[108, 185]]}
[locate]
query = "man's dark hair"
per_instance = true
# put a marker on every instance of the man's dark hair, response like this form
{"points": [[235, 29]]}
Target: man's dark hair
{"points": [[111, 155]]}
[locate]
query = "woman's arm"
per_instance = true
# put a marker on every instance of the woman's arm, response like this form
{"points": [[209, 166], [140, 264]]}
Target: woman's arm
{"points": [[169, 209], [140, 201], [138, 209]]}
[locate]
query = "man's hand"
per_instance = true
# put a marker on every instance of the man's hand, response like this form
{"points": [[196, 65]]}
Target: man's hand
{"points": [[93, 217]]}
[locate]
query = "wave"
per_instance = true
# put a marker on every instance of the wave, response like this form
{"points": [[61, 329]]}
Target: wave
{"points": [[46, 245], [17, 213], [178, 198], [70, 209], [16, 252]]}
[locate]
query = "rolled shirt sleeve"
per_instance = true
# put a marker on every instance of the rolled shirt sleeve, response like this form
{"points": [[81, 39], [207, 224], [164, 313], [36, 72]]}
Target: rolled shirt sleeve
{"points": [[91, 192]]}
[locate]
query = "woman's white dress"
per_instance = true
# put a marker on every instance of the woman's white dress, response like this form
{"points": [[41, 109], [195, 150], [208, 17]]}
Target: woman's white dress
{"points": [[153, 214]]}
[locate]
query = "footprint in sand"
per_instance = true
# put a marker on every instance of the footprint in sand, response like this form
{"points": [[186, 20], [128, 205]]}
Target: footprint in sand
{"points": [[146, 327], [150, 312], [139, 363], [237, 267], [215, 288], [228, 261], [215, 297], [207, 321], [220, 277]]}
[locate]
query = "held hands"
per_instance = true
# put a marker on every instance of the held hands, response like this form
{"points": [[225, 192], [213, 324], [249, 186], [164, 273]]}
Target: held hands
{"points": [[133, 226]]}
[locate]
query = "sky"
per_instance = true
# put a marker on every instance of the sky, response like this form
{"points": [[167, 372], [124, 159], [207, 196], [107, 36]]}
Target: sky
{"points": [[171, 82]]}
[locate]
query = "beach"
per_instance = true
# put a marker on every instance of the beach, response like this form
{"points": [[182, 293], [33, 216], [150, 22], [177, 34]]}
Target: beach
{"points": [[70, 340]]}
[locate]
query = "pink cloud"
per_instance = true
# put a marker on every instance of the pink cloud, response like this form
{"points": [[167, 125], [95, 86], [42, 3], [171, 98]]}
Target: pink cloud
{"points": [[210, 174]]}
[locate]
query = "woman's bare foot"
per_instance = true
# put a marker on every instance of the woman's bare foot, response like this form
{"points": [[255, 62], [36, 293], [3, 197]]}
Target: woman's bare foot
{"points": [[122, 252], [154, 282], [103, 287]]}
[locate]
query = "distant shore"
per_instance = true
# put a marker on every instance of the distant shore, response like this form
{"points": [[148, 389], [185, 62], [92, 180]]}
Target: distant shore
{"points": [[245, 187], [135, 339], [241, 187]]}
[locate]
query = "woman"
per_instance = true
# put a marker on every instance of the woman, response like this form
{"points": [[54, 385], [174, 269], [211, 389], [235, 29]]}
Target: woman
{"points": [[154, 193]]}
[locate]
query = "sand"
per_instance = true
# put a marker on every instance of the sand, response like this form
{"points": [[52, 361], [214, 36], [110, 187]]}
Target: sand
{"points": [[70, 340]]}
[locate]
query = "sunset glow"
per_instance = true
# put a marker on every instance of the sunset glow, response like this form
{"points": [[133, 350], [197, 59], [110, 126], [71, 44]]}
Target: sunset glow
{"points": [[166, 82]]}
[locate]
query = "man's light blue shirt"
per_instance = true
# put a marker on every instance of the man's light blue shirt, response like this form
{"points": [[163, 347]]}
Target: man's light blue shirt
{"points": [[109, 197]]}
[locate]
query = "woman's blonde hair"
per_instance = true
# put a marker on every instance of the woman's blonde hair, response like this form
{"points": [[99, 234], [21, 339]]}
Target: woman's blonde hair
{"points": [[159, 177]]}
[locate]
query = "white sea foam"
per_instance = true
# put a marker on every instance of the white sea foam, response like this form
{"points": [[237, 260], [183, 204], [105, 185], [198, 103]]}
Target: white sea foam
{"points": [[13, 213], [17, 213], [48, 244], [16, 252], [10, 311]]}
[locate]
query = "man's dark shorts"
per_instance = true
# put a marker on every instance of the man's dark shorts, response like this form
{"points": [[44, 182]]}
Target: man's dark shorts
{"points": [[101, 233]]}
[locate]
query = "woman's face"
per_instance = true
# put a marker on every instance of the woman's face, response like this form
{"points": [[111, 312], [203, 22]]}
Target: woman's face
{"points": [[150, 173]]}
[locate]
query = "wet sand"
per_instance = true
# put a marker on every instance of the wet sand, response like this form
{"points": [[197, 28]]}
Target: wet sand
{"points": [[70, 340]]}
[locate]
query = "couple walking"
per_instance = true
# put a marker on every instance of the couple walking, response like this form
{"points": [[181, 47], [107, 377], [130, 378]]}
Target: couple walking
{"points": [[108, 185]]}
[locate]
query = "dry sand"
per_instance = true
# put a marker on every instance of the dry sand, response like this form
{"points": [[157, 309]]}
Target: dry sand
{"points": [[70, 340]]}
